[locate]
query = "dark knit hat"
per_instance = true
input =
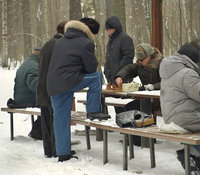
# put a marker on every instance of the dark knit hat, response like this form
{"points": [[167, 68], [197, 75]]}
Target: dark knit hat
{"points": [[61, 26], [36, 51], [190, 51], [92, 24]]}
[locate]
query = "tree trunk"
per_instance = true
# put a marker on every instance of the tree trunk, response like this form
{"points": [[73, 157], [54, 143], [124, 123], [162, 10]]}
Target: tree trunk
{"points": [[4, 34]]}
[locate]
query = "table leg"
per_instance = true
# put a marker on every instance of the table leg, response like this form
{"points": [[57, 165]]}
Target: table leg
{"points": [[187, 159], [125, 156], [131, 148], [105, 147], [11, 127], [152, 153], [87, 135]]}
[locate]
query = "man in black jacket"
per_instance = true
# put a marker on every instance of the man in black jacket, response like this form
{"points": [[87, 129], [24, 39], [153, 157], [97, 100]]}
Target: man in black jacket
{"points": [[72, 68], [119, 51], [43, 100]]}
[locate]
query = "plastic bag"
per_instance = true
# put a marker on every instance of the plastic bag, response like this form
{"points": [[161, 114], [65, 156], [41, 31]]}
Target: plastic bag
{"points": [[134, 119]]}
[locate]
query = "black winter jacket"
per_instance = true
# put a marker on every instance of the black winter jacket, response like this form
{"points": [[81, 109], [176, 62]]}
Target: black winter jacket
{"points": [[148, 74], [72, 57], [45, 55], [120, 50]]}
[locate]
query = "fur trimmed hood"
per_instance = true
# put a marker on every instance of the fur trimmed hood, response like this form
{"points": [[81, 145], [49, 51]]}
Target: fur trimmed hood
{"points": [[80, 26]]}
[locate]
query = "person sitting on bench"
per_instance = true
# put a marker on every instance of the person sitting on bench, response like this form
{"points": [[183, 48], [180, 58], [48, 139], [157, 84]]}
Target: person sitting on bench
{"points": [[25, 89], [180, 94]]}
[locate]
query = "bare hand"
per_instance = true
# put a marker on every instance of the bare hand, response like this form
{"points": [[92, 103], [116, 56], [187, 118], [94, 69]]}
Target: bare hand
{"points": [[119, 80]]}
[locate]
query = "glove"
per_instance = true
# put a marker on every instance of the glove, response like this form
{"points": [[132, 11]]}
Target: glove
{"points": [[141, 88], [149, 87]]}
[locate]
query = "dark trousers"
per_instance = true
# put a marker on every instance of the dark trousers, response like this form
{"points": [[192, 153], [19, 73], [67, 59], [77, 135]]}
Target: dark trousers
{"points": [[48, 131], [133, 105]]}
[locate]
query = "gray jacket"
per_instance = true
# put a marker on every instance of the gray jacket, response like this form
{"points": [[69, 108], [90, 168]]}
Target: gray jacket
{"points": [[180, 91]]}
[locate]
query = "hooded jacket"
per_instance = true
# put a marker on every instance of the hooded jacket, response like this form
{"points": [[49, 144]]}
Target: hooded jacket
{"points": [[180, 91], [26, 82], [45, 55], [72, 57], [120, 50]]}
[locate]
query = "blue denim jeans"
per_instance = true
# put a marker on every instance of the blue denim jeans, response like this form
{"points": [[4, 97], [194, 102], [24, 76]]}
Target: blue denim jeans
{"points": [[62, 106]]}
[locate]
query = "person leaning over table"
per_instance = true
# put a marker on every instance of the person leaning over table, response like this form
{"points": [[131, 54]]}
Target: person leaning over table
{"points": [[146, 67], [72, 68], [180, 94]]}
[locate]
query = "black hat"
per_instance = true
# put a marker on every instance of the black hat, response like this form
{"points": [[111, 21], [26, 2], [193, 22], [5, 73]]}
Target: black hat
{"points": [[92, 24], [190, 51]]}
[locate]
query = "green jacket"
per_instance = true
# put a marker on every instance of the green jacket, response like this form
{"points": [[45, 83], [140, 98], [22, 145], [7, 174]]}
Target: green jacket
{"points": [[26, 82]]}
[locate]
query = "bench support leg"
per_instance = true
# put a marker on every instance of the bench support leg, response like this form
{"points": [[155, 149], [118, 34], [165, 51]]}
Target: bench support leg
{"points": [[32, 120], [11, 127], [131, 149], [125, 156], [105, 147], [87, 135], [152, 153], [187, 159]]}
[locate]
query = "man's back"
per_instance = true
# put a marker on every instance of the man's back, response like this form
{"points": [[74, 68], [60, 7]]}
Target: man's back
{"points": [[26, 82]]}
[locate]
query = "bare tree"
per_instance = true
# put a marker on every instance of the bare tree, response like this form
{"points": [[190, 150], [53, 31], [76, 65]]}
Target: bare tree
{"points": [[4, 34]]}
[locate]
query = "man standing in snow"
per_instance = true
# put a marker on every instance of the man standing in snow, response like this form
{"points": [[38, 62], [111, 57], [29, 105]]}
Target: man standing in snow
{"points": [[72, 68], [43, 100], [119, 51]]}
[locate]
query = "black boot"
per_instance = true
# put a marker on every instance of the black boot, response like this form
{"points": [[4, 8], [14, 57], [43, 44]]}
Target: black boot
{"points": [[194, 162], [97, 115], [67, 157]]}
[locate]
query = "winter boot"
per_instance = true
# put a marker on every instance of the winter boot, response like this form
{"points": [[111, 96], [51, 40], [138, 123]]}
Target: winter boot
{"points": [[97, 115], [194, 162], [67, 157]]}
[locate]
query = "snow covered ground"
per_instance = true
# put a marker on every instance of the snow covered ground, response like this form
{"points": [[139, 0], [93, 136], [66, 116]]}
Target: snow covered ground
{"points": [[24, 156]]}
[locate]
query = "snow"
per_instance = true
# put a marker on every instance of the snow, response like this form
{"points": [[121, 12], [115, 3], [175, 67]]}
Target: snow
{"points": [[24, 156]]}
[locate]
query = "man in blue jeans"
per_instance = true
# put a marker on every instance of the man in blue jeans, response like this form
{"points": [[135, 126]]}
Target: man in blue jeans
{"points": [[72, 68]]}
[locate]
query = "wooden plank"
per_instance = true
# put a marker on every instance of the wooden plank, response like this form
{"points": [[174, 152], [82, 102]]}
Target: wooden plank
{"points": [[150, 132], [107, 103], [21, 111]]}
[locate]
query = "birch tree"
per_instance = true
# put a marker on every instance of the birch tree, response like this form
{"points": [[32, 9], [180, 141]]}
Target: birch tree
{"points": [[4, 34]]}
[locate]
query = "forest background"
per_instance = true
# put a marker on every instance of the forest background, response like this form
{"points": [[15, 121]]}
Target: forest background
{"points": [[26, 24]]}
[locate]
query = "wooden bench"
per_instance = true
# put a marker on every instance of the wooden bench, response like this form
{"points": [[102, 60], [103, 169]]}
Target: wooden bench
{"points": [[151, 132], [110, 101], [30, 111]]}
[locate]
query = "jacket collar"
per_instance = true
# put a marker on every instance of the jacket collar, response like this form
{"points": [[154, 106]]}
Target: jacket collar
{"points": [[80, 26]]}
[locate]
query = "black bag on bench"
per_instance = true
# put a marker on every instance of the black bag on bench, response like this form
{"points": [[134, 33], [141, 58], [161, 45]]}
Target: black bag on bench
{"points": [[134, 119], [11, 104]]}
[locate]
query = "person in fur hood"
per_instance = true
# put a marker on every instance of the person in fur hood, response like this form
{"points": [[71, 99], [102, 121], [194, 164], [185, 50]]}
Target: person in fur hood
{"points": [[180, 94], [72, 68]]}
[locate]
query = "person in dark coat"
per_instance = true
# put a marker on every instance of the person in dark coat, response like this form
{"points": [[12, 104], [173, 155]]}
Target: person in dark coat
{"points": [[25, 89], [43, 100], [119, 51], [72, 68], [147, 68]]}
